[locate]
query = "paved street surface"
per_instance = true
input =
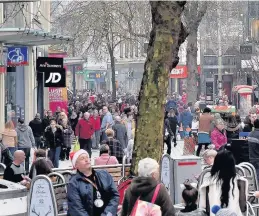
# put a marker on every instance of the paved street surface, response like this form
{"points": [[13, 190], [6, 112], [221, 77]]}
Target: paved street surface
{"points": [[176, 151]]}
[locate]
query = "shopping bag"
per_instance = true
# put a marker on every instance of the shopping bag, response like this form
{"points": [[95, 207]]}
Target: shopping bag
{"points": [[189, 146], [76, 146]]}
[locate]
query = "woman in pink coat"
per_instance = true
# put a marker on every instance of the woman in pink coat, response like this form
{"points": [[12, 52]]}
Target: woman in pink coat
{"points": [[105, 158], [218, 135]]}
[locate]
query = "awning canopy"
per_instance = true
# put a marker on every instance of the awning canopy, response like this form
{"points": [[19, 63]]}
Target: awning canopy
{"points": [[31, 37]]}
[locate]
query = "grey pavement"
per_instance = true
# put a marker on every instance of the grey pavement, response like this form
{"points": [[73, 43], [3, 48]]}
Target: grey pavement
{"points": [[176, 152]]}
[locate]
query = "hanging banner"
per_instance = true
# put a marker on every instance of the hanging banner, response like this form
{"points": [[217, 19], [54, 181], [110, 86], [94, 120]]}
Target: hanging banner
{"points": [[58, 96]]}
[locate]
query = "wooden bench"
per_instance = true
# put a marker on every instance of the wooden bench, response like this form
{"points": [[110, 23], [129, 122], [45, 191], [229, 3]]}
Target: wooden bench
{"points": [[115, 173]]}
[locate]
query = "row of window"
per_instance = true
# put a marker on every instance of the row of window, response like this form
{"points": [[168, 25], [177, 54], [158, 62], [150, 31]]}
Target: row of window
{"points": [[226, 60]]}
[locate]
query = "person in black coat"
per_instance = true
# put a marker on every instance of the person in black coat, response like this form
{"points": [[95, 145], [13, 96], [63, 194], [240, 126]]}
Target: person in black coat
{"points": [[37, 130], [173, 122], [46, 120], [54, 140]]}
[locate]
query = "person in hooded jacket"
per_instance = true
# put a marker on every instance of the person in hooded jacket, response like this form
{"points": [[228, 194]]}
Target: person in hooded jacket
{"points": [[37, 129], [143, 187], [25, 141], [54, 139]]}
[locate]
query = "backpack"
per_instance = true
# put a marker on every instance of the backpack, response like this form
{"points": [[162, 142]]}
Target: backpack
{"points": [[143, 208]]}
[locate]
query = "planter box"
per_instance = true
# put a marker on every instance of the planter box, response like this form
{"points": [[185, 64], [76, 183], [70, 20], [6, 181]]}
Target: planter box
{"points": [[13, 199]]}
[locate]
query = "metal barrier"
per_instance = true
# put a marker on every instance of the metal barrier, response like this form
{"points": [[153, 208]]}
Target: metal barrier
{"points": [[123, 165], [250, 175], [94, 167], [60, 178]]}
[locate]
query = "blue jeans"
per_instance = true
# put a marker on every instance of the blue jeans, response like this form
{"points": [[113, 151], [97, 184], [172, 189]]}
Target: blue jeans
{"points": [[12, 149], [54, 154]]}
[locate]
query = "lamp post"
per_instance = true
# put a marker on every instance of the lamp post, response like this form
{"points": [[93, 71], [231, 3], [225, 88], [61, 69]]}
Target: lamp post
{"points": [[74, 72], [219, 51]]}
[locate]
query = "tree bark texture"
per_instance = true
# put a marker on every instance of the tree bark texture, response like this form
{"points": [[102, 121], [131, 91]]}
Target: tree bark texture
{"points": [[113, 72], [191, 61], [165, 38]]}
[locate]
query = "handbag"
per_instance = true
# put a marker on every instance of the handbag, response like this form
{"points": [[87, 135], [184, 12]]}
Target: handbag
{"points": [[76, 146], [142, 208]]}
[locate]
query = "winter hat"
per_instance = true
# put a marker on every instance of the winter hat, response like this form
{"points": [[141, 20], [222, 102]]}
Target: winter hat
{"points": [[222, 211], [77, 155]]}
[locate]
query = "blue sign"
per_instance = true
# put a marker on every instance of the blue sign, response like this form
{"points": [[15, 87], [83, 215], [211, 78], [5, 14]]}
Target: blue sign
{"points": [[17, 56]]}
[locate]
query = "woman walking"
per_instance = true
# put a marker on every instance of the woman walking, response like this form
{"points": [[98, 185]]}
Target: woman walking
{"points": [[9, 137], [54, 139], [204, 129], [67, 134]]}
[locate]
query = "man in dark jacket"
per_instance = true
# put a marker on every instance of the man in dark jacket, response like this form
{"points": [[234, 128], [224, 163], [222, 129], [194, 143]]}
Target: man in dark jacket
{"points": [[120, 132], [91, 192], [253, 145], [37, 130]]}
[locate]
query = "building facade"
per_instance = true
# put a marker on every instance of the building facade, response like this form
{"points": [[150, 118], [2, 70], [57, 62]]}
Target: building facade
{"points": [[19, 86]]}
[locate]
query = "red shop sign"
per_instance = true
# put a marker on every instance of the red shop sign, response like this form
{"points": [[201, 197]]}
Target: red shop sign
{"points": [[180, 71]]}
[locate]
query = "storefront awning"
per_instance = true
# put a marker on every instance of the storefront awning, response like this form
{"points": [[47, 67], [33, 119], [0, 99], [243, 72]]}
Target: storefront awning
{"points": [[32, 37]]}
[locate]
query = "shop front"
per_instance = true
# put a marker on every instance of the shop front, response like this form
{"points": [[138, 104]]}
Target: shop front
{"points": [[18, 85]]}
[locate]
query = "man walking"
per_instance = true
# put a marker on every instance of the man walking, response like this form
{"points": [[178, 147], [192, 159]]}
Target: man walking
{"points": [[46, 120], [25, 141], [37, 130], [120, 132], [107, 122], [84, 131]]}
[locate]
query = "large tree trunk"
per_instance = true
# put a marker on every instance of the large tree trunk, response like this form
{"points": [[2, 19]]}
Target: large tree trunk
{"points": [[165, 38], [191, 61], [113, 78], [113, 72]]}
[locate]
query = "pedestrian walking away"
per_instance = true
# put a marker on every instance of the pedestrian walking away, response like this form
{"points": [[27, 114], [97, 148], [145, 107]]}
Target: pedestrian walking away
{"points": [[85, 131]]}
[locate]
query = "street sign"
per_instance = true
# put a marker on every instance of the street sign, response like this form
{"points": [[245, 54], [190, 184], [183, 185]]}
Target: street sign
{"points": [[55, 79], [246, 49], [17, 56], [95, 75], [45, 64]]}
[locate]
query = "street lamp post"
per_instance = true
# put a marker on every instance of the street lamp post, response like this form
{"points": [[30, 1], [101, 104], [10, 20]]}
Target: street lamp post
{"points": [[74, 73], [219, 51]]}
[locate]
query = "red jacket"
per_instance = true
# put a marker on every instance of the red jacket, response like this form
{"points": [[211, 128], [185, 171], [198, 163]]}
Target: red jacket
{"points": [[96, 122], [84, 129]]}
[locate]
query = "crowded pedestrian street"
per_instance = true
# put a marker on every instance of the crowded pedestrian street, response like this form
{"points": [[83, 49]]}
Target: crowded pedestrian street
{"points": [[129, 108]]}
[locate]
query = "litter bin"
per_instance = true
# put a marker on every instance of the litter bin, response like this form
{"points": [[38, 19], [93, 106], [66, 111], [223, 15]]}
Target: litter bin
{"points": [[175, 171], [13, 199]]}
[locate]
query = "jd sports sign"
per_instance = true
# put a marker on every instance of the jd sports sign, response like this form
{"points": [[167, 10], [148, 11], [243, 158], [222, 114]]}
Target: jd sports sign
{"points": [[54, 72], [55, 79]]}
